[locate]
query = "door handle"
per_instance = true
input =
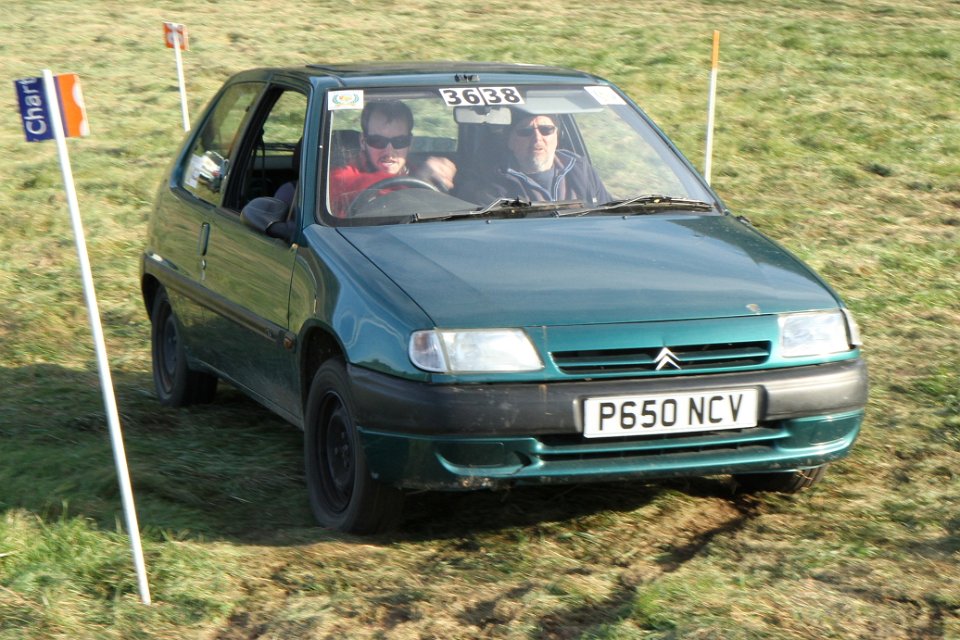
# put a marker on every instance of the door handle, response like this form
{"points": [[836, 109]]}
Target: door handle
{"points": [[204, 240]]}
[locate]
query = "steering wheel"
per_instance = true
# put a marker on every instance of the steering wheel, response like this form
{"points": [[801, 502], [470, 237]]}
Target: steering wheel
{"points": [[372, 192]]}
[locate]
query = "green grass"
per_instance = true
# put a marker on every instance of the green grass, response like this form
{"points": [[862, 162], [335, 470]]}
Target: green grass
{"points": [[838, 133]]}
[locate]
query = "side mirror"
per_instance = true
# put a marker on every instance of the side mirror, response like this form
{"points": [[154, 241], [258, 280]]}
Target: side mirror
{"points": [[211, 168], [268, 216]]}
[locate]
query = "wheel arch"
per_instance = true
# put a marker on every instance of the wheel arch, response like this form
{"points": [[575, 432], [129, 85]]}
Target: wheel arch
{"points": [[318, 345], [149, 286]]}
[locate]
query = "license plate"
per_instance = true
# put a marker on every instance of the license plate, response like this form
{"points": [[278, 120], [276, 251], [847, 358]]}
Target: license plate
{"points": [[669, 413]]}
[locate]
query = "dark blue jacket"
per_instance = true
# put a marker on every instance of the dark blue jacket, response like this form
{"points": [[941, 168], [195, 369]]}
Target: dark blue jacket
{"points": [[575, 179]]}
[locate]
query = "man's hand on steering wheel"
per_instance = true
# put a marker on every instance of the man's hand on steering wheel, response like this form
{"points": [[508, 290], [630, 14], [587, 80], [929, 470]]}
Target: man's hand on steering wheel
{"points": [[437, 170], [372, 192]]}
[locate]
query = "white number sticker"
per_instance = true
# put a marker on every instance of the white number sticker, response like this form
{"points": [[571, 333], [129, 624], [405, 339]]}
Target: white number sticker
{"points": [[473, 96]]}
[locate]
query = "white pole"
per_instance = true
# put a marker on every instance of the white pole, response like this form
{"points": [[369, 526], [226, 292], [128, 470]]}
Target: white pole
{"points": [[711, 105], [106, 382], [183, 88]]}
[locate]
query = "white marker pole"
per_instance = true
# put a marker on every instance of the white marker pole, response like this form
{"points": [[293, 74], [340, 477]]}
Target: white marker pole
{"points": [[106, 382], [715, 62], [183, 87]]}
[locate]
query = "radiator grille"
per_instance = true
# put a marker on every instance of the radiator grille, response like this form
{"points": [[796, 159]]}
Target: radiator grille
{"points": [[686, 358]]}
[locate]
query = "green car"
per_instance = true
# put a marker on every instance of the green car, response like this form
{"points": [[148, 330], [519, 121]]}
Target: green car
{"points": [[456, 276]]}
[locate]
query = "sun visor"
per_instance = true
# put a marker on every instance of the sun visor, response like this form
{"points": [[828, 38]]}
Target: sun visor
{"points": [[547, 101]]}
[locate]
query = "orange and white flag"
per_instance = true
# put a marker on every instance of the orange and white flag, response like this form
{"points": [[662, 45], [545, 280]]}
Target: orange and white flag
{"points": [[35, 110]]}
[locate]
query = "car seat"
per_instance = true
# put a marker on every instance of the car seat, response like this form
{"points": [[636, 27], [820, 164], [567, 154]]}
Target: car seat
{"points": [[287, 190]]}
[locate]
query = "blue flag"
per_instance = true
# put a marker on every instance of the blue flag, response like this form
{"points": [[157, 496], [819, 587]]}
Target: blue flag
{"points": [[34, 110]]}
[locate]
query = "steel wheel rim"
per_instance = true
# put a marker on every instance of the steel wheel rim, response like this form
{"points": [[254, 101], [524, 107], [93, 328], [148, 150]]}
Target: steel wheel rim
{"points": [[336, 452], [167, 347]]}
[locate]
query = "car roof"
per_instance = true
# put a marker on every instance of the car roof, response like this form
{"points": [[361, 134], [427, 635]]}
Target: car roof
{"points": [[441, 67], [358, 74]]}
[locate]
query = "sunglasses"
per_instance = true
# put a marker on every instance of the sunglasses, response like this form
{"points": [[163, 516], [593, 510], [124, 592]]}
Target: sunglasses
{"points": [[381, 142], [544, 129]]}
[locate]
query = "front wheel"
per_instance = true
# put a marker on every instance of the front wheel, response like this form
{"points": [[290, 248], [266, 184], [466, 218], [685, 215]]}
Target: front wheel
{"points": [[343, 494], [780, 482]]}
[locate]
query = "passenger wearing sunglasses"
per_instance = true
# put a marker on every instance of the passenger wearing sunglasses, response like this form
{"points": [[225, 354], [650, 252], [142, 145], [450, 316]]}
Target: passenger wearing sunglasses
{"points": [[384, 144], [534, 169]]}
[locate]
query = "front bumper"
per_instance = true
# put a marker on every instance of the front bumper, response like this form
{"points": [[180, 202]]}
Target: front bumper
{"points": [[468, 436]]}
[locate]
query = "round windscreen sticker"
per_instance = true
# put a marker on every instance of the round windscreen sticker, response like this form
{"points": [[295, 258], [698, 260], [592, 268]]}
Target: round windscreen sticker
{"points": [[352, 99]]}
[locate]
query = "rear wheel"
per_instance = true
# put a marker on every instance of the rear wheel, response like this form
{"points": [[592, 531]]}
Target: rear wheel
{"points": [[780, 482], [343, 494], [176, 383]]}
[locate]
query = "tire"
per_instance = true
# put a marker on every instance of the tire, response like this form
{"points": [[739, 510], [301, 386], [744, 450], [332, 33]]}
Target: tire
{"points": [[780, 482], [343, 494], [176, 383]]}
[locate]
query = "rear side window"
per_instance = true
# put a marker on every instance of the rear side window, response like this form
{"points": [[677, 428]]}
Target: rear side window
{"points": [[207, 165]]}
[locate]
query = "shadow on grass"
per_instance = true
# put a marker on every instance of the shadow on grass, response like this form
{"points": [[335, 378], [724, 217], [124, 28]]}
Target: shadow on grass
{"points": [[228, 470], [434, 515]]}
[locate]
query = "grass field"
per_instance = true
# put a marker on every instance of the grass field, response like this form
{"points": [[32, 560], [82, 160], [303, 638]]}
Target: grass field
{"points": [[838, 134]]}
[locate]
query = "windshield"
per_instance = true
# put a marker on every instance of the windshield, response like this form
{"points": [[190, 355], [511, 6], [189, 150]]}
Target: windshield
{"points": [[413, 154]]}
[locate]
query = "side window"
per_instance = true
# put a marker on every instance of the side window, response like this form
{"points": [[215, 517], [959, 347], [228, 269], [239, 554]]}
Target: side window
{"points": [[269, 163], [206, 166], [627, 165]]}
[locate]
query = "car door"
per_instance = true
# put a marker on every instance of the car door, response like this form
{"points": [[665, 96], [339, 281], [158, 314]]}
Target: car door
{"points": [[248, 273], [187, 211]]}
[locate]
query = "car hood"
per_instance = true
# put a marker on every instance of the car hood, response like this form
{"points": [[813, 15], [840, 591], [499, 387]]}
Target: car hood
{"points": [[608, 269]]}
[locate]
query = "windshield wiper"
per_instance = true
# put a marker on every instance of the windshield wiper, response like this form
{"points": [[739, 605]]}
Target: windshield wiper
{"points": [[647, 203], [508, 206], [505, 203]]}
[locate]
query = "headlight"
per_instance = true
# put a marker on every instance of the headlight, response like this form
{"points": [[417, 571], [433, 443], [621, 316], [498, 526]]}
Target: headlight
{"points": [[815, 334], [473, 351]]}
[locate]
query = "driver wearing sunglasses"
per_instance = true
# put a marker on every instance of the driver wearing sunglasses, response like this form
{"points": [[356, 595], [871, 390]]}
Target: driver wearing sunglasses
{"points": [[534, 169], [384, 144]]}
